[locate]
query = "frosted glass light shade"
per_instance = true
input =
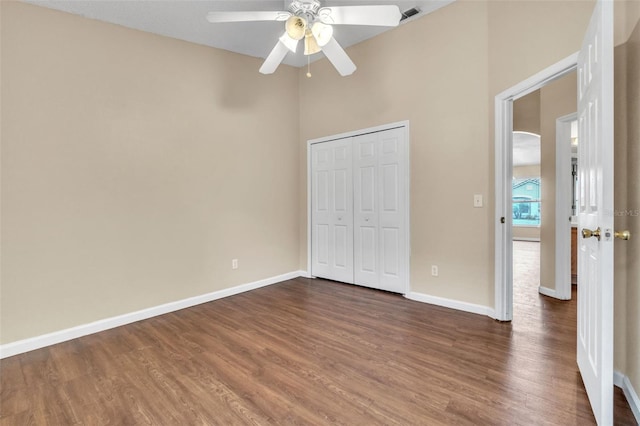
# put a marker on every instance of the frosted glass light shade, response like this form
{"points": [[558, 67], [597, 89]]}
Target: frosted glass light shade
{"points": [[322, 33], [296, 27], [310, 44]]}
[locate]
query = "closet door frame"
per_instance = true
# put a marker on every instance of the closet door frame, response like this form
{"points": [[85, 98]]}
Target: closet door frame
{"points": [[406, 180]]}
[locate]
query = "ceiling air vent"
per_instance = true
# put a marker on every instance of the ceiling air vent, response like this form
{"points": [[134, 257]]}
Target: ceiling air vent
{"points": [[409, 13]]}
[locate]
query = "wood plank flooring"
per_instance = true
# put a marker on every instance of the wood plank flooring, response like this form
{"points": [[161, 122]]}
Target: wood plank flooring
{"points": [[310, 352]]}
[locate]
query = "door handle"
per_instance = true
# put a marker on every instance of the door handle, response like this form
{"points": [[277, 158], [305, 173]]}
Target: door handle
{"points": [[588, 233], [623, 235]]}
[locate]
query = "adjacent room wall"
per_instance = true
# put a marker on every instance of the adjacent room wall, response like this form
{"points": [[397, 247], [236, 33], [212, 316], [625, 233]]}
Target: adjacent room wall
{"points": [[553, 101], [526, 113], [557, 99], [631, 212], [526, 118], [134, 168], [620, 204]]}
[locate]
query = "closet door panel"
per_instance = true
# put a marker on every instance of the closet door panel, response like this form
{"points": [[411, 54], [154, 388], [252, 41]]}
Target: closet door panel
{"points": [[366, 205], [390, 250], [392, 226], [332, 210]]}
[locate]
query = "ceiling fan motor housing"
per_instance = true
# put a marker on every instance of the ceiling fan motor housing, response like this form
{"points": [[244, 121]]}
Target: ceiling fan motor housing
{"points": [[307, 9]]}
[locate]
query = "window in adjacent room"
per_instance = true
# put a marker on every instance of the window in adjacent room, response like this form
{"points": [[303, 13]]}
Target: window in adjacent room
{"points": [[526, 201]]}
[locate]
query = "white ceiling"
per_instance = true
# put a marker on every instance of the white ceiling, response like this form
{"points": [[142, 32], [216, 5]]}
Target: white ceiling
{"points": [[185, 20], [526, 149]]}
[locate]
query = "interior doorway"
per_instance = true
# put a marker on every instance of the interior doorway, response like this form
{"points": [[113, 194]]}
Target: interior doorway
{"points": [[528, 188], [504, 177]]}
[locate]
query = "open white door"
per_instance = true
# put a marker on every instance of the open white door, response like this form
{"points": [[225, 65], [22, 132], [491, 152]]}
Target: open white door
{"points": [[595, 215]]}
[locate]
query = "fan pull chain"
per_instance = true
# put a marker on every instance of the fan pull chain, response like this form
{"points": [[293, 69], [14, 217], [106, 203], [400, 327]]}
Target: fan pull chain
{"points": [[309, 66]]}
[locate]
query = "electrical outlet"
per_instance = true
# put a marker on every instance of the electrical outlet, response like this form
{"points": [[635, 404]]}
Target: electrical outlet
{"points": [[434, 270], [477, 200], [234, 263]]}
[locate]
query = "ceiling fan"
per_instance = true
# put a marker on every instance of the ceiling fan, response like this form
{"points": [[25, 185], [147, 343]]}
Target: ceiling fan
{"points": [[306, 19]]}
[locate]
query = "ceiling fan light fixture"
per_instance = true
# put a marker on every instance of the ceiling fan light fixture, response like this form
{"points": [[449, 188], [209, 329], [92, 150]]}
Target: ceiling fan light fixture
{"points": [[291, 44], [296, 27], [322, 33], [310, 44]]}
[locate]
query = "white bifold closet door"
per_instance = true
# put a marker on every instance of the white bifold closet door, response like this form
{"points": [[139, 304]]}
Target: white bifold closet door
{"points": [[379, 193], [332, 215], [361, 207]]}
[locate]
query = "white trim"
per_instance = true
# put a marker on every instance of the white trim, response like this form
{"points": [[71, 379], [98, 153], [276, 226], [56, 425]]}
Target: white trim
{"points": [[623, 382], [503, 262], [546, 291], [407, 160], [345, 135], [26, 345], [563, 203], [503, 177], [450, 303], [534, 240], [309, 190]]}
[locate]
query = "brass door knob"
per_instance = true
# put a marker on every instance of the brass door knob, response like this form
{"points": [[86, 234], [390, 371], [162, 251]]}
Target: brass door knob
{"points": [[588, 233], [623, 235]]}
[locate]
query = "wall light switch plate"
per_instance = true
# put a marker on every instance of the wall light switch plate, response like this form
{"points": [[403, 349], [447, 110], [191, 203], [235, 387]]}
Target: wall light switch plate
{"points": [[477, 200]]}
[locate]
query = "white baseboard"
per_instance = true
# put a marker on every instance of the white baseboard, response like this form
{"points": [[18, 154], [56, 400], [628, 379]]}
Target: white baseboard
{"points": [[546, 291], [450, 303], [623, 382], [26, 345]]}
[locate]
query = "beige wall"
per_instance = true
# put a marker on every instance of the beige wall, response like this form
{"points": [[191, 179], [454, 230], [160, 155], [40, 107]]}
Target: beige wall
{"points": [[526, 113], [629, 216], [445, 86], [526, 118], [134, 168], [440, 85], [620, 204]]}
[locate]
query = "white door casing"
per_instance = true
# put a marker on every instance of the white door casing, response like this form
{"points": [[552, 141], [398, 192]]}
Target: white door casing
{"points": [[332, 223], [564, 183], [595, 210]]}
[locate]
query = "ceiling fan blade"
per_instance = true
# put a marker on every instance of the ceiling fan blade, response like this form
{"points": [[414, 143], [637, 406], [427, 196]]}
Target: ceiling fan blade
{"points": [[274, 59], [216, 17], [338, 57], [386, 16]]}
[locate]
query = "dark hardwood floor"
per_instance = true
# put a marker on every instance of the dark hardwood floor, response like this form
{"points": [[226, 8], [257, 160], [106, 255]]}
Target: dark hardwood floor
{"points": [[310, 352]]}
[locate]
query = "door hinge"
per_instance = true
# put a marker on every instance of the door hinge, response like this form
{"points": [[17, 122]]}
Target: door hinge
{"points": [[502, 219]]}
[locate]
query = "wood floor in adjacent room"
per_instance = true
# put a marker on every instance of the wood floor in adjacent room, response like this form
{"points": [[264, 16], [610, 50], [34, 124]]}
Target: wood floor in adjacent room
{"points": [[311, 352]]}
